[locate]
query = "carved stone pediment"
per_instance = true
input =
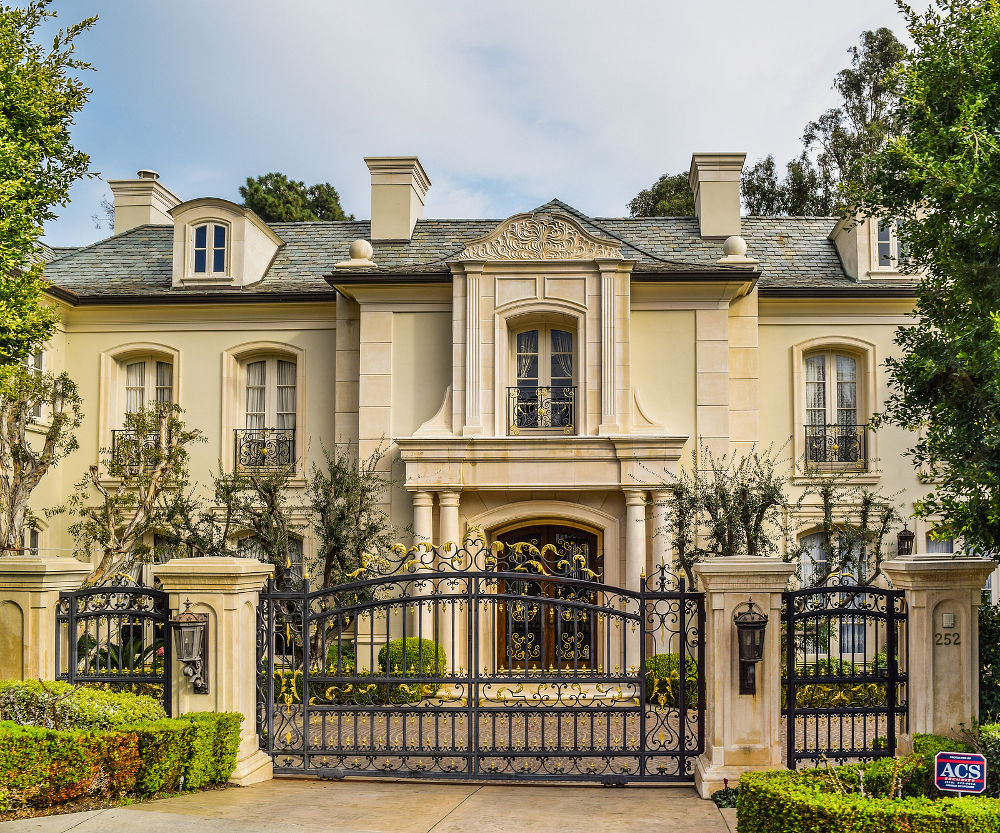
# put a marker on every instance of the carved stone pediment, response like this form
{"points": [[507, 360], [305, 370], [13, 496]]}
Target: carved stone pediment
{"points": [[540, 236]]}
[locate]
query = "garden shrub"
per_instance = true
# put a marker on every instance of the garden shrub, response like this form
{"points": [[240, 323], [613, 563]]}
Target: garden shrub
{"points": [[663, 682], [59, 705], [783, 801], [40, 767], [416, 658], [340, 659], [989, 661]]}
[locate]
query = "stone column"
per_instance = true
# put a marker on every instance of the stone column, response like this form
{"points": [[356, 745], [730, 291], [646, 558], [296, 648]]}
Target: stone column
{"points": [[942, 655], [453, 639], [635, 566], [29, 592], [742, 732], [227, 590], [421, 622], [661, 555]]}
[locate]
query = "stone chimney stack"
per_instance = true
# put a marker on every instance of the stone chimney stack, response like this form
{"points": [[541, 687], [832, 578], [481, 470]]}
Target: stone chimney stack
{"points": [[142, 201], [399, 185], [715, 180]]}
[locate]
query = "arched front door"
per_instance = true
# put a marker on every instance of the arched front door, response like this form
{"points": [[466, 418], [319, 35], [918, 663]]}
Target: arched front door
{"points": [[540, 626]]}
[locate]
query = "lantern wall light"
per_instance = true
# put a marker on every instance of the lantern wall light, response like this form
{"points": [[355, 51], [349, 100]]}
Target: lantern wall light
{"points": [[191, 646], [904, 542], [751, 624]]}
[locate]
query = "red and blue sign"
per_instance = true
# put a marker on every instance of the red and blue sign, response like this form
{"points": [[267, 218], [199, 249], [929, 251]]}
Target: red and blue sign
{"points": [[960, 772]]}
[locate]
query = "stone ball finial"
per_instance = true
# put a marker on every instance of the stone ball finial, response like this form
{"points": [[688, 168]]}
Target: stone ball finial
{"points": [[734, 246], [362, 250]]}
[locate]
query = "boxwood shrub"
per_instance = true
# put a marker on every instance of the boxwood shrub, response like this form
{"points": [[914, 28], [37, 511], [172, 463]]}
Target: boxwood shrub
{"points": [[416, 658], [804, 801], [58, 705], [40, 767], [663, 680]]}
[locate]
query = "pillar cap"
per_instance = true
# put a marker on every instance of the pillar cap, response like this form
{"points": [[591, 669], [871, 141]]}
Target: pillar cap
{"points": [[213, 573], [925, 571], [29, 572], [744, 574]]}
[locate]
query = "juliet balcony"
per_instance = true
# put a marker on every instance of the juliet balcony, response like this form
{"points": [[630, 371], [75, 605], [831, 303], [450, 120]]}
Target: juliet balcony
{"points": [[550, 409], [835, 448], [258, 448], [129, 448]]}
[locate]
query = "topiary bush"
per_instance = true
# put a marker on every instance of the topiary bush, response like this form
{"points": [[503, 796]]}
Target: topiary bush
{"points": [[417, 657], [59, 705], [340, 659], [663, 681]]}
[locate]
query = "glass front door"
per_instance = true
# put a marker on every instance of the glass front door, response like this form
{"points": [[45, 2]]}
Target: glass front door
{"points": [[542, 626]]}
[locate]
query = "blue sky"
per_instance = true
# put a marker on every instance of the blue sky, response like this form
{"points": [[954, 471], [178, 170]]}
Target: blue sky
{"points": [[506, 104]]}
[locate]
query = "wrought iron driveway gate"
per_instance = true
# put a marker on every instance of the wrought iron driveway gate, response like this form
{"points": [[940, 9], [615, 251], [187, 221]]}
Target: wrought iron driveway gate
{"points": [[844, 683], [541, 676], [117, 633]]}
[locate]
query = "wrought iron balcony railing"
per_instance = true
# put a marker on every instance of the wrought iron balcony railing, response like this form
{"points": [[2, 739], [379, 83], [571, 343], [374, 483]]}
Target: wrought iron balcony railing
{"points": [[836, 448], [130, 449], [541, 409], [265, 447]]}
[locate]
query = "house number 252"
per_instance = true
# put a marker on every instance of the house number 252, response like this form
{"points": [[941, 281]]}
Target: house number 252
{"points": [[947, 639]]}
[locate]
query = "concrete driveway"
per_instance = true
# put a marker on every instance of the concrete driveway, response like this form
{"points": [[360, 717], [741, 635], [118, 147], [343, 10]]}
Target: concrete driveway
{"points": [[310, 806]]}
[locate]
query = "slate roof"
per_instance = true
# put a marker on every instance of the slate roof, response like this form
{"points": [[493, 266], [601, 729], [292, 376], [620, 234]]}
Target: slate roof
{"points": [[794, 252]]}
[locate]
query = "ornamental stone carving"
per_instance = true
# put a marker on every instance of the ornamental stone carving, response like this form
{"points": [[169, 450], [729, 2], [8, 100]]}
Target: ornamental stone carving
{"points": [[540, 236]]}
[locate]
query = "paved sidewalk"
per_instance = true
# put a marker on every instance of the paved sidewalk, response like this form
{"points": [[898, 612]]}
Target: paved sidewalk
{"points": [[308, 806]]}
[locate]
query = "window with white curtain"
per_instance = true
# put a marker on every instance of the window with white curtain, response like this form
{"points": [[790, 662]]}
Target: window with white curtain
{"points": [[270, 393], [939, 544], [147, 380], [831, 389], [543, 395], [36, 362]]}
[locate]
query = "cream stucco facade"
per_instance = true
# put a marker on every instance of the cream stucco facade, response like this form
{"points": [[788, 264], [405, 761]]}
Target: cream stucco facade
{"points": [[423, 343]]}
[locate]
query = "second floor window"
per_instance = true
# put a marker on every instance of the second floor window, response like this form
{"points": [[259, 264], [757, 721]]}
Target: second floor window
{"points": [[36, 362], [835, 435], [270, 387], [148, 380], [210, 249], [543, 395]]}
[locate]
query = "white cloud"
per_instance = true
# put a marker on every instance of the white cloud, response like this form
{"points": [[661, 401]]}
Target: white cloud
{"points": [[506, 104]]}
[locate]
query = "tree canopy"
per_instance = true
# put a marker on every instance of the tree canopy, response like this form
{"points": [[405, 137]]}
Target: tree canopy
{"points": [[277, 199], [669, 196], [40, 93], [837, 145], [940, 175]]}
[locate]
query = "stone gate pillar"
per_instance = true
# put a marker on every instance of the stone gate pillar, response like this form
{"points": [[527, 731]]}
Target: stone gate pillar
{"points": [[943, 595], [29, 592], [227, 589], [742, 732]]}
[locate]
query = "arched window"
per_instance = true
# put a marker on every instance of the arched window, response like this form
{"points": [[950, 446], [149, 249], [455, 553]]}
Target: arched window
{"points": [[270, 398], [834, 414], [209, 249], [543, 396]]}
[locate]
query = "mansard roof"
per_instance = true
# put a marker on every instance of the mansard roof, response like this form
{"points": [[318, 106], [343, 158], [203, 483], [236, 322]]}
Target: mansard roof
{"points": [[794, 253]]}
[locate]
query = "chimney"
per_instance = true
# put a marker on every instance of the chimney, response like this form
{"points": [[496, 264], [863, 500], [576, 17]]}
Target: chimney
{"points": [[715, 180], [142, 201], [399, 185]]}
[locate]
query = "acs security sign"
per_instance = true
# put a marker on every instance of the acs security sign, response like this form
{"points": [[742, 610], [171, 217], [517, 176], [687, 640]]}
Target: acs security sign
{"points": [[961, 772]]}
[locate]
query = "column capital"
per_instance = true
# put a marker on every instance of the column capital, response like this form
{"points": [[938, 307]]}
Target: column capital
{"points": [[635, 497], [423, 498], [449, 498]]}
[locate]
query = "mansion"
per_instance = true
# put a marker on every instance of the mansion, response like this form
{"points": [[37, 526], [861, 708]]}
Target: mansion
{"points": [[538, 377]]}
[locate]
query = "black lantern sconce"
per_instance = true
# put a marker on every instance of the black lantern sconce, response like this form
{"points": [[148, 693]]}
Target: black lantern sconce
{"points": [[751, 623], [191, 646], [904, 542]]}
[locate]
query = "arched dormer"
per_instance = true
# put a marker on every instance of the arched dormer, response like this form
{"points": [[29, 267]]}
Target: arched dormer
{"points": [[219, 243]]}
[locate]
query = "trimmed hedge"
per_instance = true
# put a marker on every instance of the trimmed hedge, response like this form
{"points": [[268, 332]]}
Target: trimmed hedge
{"points": [[783, 801], [40, 767], [663, 681], [417, 658], [59, 705]]}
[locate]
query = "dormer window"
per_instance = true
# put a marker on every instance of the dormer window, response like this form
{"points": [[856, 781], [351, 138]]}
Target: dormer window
{"points": [[210, 249], [887, 252]]}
